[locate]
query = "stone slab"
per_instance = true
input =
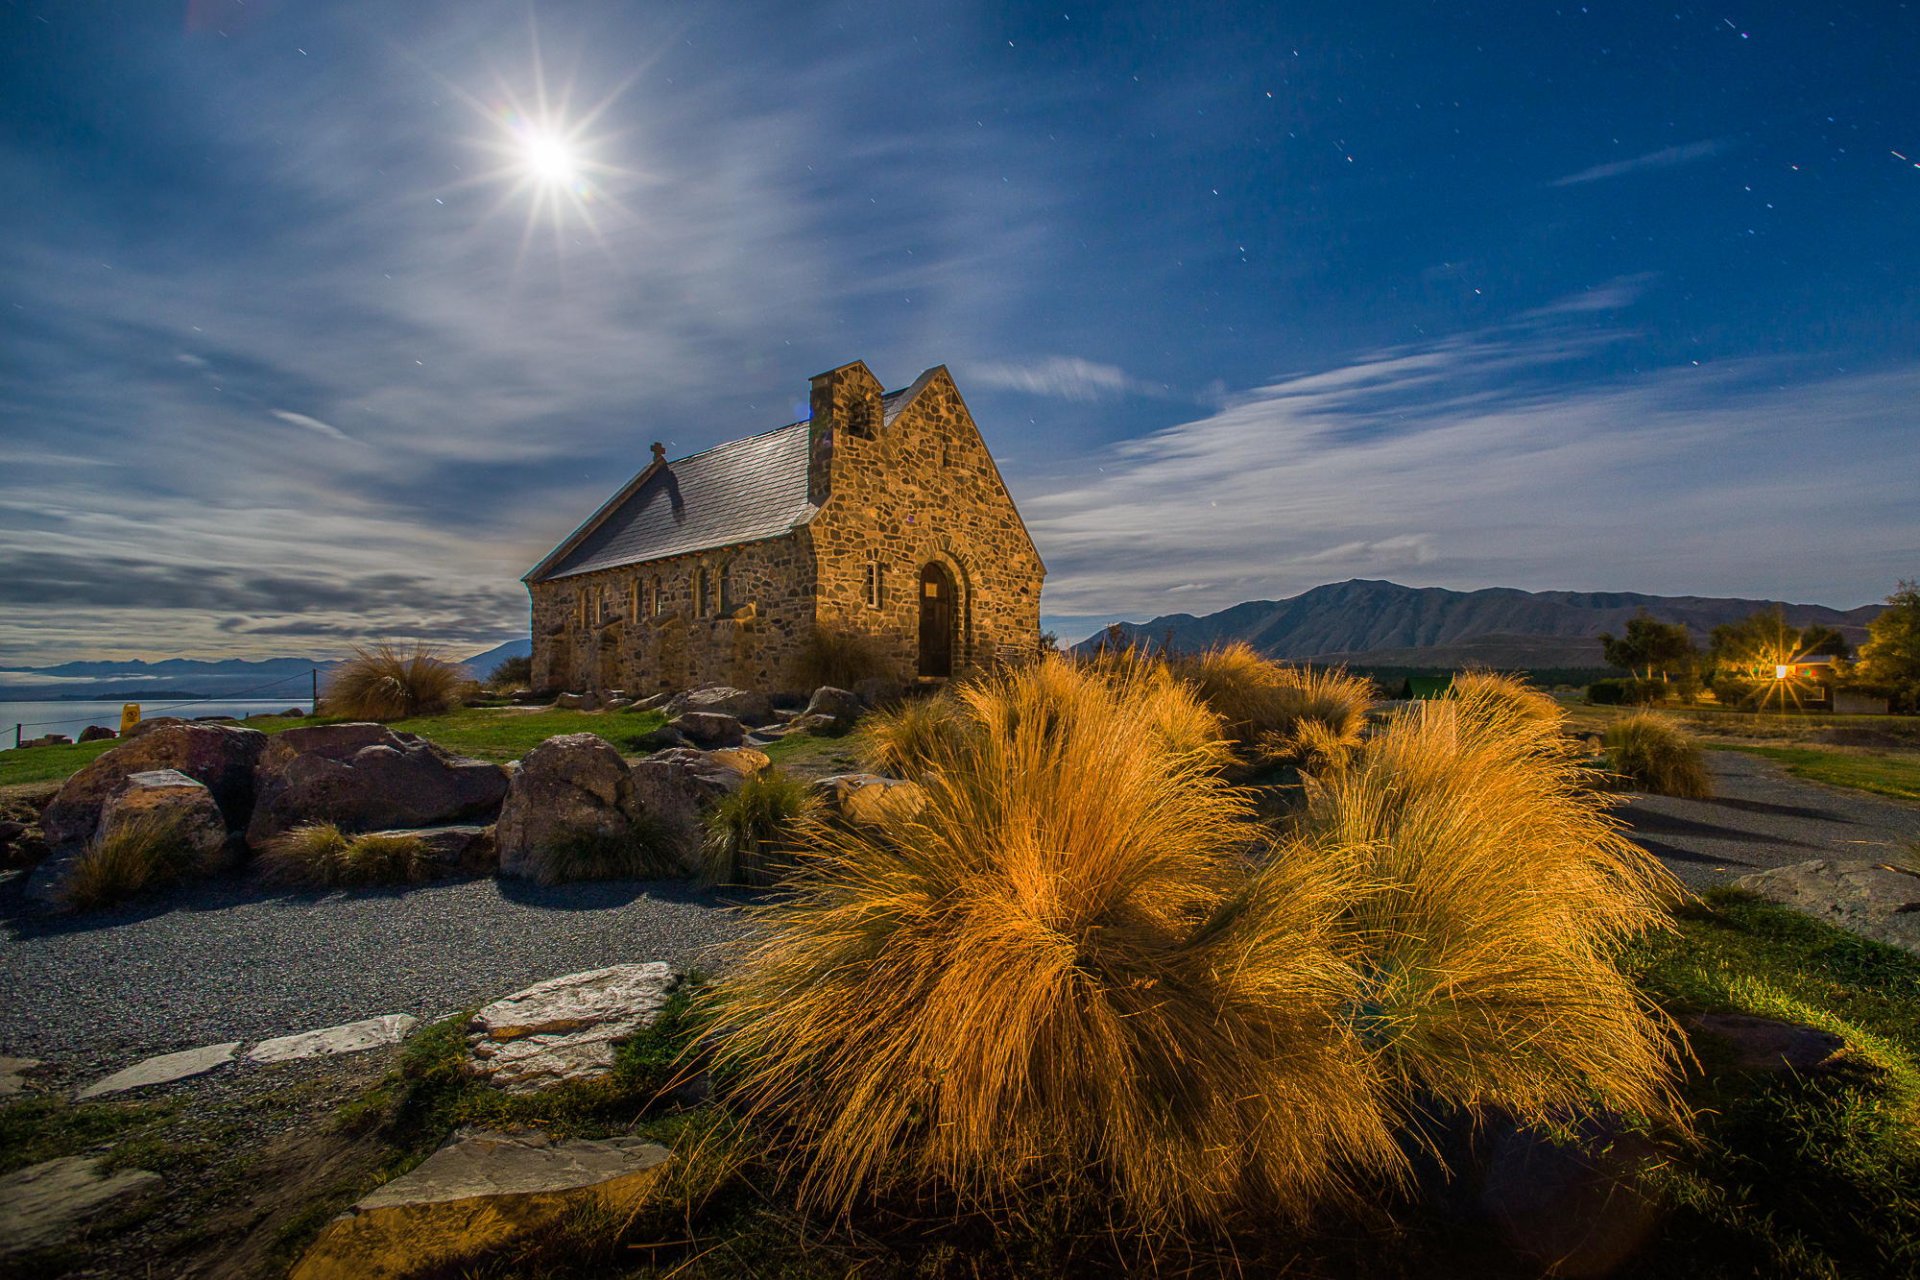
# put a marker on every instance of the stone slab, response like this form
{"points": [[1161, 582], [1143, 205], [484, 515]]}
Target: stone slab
{"points": [[480, 1190], [164, 1069], [1872, 899], [565, 1028], [348, 1037], [45, 1203], [13, 1074]]}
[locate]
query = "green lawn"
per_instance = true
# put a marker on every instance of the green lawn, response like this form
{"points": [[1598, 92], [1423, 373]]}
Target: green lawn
{"points": [[490, 733], [1883, 773]]}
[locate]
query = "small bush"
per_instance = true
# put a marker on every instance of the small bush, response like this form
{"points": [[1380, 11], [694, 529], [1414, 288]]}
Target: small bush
{"points": [[840, 658], [386, 683], [913, 735], [1653, 754], [1502, 698], [1298, 715], [646, 850], [750, 833], [145, 854], [319, 855], [512, 673]]}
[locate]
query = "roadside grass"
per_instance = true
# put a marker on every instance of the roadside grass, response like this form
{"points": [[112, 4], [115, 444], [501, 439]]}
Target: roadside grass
{"points": [[44, 1126], [486, 733], [1879, 772], [1812, 1174]]}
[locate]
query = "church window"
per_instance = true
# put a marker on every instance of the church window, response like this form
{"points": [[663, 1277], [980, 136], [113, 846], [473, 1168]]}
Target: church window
{"points": [[875, 592]]}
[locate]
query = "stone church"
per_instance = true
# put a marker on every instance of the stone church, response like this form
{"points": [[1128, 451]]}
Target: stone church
{"points": [[881, 516]]}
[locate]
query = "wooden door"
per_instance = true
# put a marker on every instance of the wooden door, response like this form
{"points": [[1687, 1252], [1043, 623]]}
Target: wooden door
{"points": [[939, 612]]}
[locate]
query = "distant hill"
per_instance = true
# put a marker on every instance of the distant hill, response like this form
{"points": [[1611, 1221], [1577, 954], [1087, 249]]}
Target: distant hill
{"points": [[1368, 623], [194, 677]]}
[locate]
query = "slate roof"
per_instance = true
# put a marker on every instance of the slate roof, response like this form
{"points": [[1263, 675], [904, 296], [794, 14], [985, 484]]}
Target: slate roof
{"points": [[741, 491]]}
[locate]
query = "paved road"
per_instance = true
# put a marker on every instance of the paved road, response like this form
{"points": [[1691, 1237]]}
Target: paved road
{"points": [[1761, 816], [217, 961]]}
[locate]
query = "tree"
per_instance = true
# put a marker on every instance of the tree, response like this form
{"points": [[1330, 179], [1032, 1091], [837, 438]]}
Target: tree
{"points": [[1752, 648], [1650, 647], [1890, 659]]}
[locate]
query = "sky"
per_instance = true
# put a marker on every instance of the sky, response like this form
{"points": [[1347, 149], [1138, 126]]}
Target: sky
{"points": [[320, 323]]}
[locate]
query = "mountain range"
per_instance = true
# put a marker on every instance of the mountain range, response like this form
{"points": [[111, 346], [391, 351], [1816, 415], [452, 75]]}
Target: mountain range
{"points": [[268, 678], [1371, 623]]}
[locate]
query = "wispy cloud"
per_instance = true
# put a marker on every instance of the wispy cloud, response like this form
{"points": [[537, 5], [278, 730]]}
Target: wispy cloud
{"points": [[1673, 481], [310, 423], [1063, 377], [1664, 158]]}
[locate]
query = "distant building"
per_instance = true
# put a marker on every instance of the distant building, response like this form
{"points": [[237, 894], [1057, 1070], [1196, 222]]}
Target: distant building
{"points": [[880, 515]]}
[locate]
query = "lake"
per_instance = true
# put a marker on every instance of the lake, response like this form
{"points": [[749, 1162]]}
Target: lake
{"points": [[71, 717]]}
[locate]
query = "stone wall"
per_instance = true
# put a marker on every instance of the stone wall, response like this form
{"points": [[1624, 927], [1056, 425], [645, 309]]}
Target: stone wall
{"points": [[669, 644], [926, 490]]}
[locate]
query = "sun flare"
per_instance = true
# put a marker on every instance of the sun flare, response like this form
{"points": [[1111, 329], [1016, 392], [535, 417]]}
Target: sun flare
{"points": [[549, 157]]}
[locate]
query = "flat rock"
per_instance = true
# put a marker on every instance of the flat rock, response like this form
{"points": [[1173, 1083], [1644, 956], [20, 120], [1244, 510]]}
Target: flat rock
{"points": [[43, 1204], [709, 729], [1867, 898], [1741, 1042], [164, 1069], [741, 704], [870, 800], [13, 1074], [348, 1037], [480, 1191], [565, 1028]]}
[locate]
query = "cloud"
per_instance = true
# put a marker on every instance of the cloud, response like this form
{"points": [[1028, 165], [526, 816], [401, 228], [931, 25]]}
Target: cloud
{"points": [[1677, 481], [1665, 158], [326, 429], [1062, 377]]}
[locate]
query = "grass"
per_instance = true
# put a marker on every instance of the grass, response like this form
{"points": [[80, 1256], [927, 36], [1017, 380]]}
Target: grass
{"points": [[1880, 773], [502, 735], [319, 855], [912, 736], [1808, 1175], [146, 854], [644, 850], [751, 833], [386, 683], [1650, 753], [1297, 715]]}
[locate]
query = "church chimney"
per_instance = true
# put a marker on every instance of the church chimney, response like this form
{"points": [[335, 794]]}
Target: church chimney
{"points": [[843, 403]]}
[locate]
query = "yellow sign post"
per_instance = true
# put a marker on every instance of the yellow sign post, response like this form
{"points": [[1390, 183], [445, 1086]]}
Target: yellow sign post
{"points": [[129, 717]]}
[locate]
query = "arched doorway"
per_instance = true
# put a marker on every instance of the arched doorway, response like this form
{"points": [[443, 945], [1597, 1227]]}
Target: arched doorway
{"points": [[939, 616]]}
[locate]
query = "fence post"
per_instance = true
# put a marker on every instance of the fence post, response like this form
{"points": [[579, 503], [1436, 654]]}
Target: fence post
{"points": [[16, 737], [314, 704]]}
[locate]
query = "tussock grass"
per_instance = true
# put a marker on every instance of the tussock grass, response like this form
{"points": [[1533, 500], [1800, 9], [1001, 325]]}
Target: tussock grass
{"points": [[388, 683], [1494, 896], [319, 855], [1298, 715], [1501, 699], [913, 735], [645, 850], [751, 834], [1651, 753], [841, 658], [1062, 973], [145, 854]]}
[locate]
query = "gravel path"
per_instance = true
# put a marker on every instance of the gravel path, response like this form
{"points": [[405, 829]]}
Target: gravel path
{"points": [[1761, 816], [219, 962]]}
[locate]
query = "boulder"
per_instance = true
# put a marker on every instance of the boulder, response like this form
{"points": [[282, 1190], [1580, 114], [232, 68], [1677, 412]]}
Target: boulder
{"points": [[877, 692], [576, 701], [221, 757], [676, 785], [1869, 898], [44, 1204], [565, 1028], [618, 704], [165, 796], [576, 782], [366, 777], [744, 761], [709, 729], [98, 733], [842, 704], [822, 725], [868, 799], [456, 849], [480, 1191], [661, 739], [742, 705], [652, 702]]}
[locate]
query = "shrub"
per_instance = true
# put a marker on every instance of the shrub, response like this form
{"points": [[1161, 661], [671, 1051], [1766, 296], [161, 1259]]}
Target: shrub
{"points": [[645, 850], [386, 683], [319, 855], [1300, 715], [750, 833], [1061, 973], [913, 735], [512, 673], [144, 854], [840, 658], [1502, 698], [1627, 693], [1653, 754]]}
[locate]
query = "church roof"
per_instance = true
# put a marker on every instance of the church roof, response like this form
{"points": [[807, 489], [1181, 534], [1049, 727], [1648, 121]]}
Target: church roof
{"points": [[741, 491]]}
